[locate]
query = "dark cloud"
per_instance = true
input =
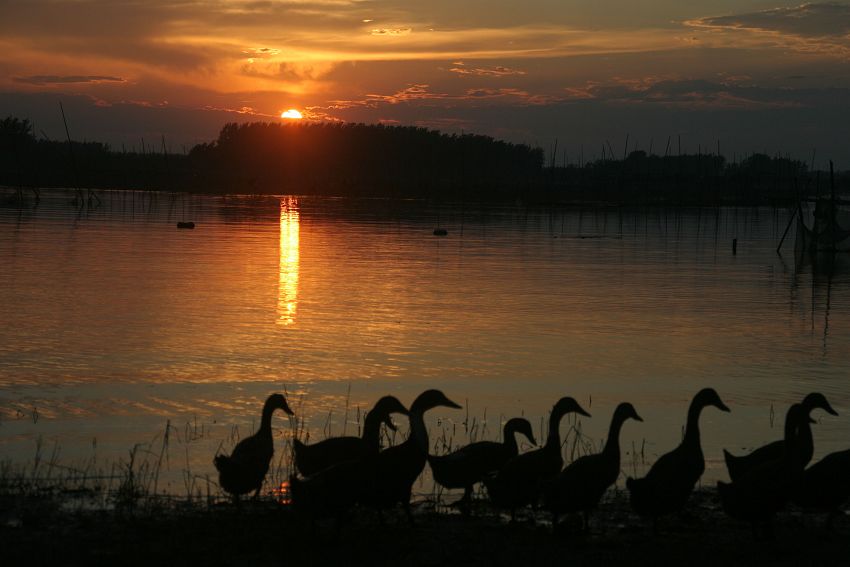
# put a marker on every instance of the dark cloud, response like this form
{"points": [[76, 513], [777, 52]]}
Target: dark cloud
{"points": [[67, 79], [826, 19], [497, 71]]}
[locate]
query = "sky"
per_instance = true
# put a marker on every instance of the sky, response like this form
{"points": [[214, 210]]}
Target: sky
{"points": [[747, 76]]}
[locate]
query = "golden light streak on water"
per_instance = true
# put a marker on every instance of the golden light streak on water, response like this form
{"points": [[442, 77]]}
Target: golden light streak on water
{"points": [[287, 294]]}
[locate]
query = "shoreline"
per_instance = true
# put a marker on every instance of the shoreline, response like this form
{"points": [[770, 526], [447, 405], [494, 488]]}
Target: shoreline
{"points": [[264, 532]]}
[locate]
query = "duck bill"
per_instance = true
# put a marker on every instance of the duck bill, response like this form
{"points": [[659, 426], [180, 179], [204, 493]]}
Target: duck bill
{"points": [[722, 407], [286, 409], [828, 409], [581, 411], [637, 418], [451, 404]]}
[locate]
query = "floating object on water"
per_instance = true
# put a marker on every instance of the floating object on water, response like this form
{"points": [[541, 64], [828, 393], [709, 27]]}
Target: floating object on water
{"points": [[185, 224], [441, 232]]}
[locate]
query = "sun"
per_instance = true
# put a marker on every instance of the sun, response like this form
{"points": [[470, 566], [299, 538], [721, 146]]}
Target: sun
{"points": [[292, 114]]}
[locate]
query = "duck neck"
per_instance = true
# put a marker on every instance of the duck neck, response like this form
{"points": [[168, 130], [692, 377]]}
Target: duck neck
{"points": [[509, 440], [692, 427], [553, 440], [803, 444], [372, 430], [612, 445], [266, 420], [417, 430]]}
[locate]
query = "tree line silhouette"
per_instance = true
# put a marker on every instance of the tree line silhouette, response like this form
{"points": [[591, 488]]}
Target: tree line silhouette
{"points": [[396, 161]]}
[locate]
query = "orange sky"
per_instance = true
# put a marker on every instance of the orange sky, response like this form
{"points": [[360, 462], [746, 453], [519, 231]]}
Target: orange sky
{"points": [[528, 71]]}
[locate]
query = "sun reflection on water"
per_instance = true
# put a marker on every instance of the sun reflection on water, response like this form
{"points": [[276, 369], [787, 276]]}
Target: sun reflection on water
{"points": [[287, 294]]}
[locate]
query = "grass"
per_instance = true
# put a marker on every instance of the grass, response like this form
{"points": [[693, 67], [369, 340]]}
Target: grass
{"points": [[98, 512]]}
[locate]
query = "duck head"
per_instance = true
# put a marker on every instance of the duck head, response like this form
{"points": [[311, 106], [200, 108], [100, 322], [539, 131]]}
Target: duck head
{"points": [[520, 425], [277, 401], [709, 397], [568, 405], [386, 406], [816, 400], [431, 399], [626, 411]]}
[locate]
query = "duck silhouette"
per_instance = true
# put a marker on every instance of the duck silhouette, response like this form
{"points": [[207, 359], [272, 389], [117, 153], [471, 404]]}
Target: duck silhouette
{"points": [[580, 486], [333, 491], [245, 468], [468, 465], [669, 482], [738, 466], [397, 468], [310, 459], [825, 486], [763, 490], [520, 480]]}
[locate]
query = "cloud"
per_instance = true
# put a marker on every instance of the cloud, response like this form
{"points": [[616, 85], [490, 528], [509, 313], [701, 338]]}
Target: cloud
{"points": [[497, 71], [391, 31], [827, 19], [67, 79]]}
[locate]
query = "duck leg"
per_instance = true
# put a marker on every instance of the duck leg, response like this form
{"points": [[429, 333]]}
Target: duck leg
{"points": [[466, 501]]}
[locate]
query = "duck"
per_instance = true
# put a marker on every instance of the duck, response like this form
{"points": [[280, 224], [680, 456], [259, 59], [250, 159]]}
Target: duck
{"points": [[333, 491], [825, 486], [398, 467], [519, 481], [763, 490], [580, 486], [310, 459], [669, 482], [738, 466], [245, 468], [468, 465]]}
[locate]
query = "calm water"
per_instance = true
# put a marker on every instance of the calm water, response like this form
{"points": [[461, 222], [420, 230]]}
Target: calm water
{"points": [[115, 322]]}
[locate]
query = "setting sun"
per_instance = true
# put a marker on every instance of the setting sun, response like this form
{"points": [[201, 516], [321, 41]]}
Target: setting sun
{"points": [[292, 114]]}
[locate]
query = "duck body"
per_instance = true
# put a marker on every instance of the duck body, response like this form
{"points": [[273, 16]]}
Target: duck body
{"points": [[468, 465], [245, 468], [825, 486], [580, 486], [310, 459], [669, 483], [738, 466], [333, 491], [520, 480], [398, 467], [763, 491]]}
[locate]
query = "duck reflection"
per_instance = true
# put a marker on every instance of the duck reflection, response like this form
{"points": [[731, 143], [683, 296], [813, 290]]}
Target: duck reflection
{"points": [[287, 294]]}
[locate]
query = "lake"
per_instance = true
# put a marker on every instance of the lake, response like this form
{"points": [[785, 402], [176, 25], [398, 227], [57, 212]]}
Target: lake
{"points": [[115, 323]]}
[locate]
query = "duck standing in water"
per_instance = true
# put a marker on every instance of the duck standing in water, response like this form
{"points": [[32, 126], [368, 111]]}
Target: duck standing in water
{"points": [[763, 490], [519, 481], [397, 468], [468, 465], [668, 484], [246, 467], [739, 466], [310, 459], [580, 486]]}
